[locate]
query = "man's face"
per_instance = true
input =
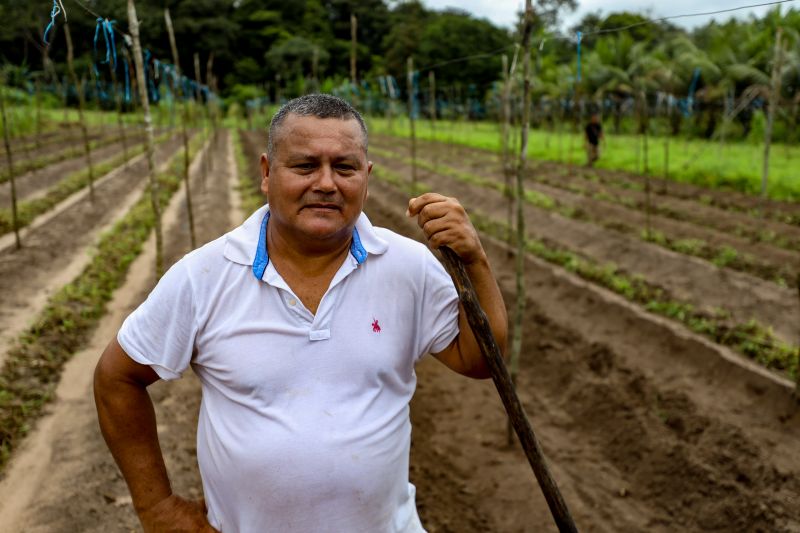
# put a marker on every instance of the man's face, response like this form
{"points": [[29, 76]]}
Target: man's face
{"points": [[317, 180]]}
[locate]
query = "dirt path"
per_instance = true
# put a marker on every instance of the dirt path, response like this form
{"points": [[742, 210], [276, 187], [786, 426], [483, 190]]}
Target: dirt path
{"points": [[687, 278], [63, 478], [53, 253]]}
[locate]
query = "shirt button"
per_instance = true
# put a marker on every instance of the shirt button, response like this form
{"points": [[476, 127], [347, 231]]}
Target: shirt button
{"points": [[292, 302]]}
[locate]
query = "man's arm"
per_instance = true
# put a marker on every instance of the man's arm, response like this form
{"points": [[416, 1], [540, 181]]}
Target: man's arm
{"points": [[128, 423], [445, 223]]}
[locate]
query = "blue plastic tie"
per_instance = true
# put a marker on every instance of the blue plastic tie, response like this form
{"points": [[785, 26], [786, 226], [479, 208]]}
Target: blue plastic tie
{"points": [[108, 26], [127, 81], [56, 11], [578, 76]]}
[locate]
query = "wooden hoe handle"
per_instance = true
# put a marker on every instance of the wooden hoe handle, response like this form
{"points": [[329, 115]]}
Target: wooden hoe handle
{"points": [[502, 381]]}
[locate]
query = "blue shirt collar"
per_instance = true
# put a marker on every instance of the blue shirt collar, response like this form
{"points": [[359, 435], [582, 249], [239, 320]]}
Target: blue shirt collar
{"points": [[247, 244]]}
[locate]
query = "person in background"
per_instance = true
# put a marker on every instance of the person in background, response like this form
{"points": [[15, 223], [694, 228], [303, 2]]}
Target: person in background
{"points": [[594, 134]]}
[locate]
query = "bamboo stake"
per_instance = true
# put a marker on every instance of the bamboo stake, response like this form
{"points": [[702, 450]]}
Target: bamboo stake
{"points": [[797, 369], [10, 162], [432, 103], [503, 381], [178, 90], [353, 44], [38, 100], [133, 24], [410, 90], [118, 105], [519, 308], [81, 106], [773, 103]]}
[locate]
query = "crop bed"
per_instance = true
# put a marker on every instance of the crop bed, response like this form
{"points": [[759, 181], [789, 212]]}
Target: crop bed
{"points": [[646, 425]]}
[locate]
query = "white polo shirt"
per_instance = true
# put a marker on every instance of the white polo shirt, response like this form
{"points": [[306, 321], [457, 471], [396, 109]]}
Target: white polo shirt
{"points": [[304, 422]]}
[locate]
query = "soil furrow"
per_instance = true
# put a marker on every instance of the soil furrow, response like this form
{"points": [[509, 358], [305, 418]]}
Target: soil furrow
{"points": [[27, 275], [725, 210], [687, 278], [641, 433], [35, 184], [724, 249], [86, 492]]}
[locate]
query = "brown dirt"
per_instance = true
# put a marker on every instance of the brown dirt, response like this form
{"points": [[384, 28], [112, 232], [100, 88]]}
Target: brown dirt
{"points": [[84, 490], [766, 248], [687, 278], [646, 428], [48, 248], [36, 183]]}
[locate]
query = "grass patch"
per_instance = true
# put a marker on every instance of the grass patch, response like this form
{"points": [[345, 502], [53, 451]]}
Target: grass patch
{"points": [[29, 378], [248, 189]]}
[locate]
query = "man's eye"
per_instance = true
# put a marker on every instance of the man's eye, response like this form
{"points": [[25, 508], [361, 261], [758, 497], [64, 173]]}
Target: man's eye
{"points": [[304, 166], [345, 168]]}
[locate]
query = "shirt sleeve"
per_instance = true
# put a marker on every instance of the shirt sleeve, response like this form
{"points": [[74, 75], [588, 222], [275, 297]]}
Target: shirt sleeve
{"points": [[438, 324], [161, 332]]}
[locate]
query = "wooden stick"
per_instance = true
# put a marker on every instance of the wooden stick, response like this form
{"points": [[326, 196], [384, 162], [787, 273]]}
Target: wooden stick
{"points": [[502, 381], [10, 162], [81, 105], [410, 90], [178, 90], [133, 25]]}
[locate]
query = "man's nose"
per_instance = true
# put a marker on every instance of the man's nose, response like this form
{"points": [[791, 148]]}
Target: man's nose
{"points": [[325, 179]]}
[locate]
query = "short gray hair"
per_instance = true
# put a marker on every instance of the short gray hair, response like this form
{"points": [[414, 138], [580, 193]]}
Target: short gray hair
{"points": [[314, 105]]}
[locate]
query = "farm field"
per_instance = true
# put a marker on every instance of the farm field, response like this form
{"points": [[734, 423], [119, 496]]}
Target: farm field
{"points": [[632, 172], [647, 426]]}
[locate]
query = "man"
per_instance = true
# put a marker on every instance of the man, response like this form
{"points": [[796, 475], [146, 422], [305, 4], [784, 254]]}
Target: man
{"points": [[303, 326], [594, 134]]}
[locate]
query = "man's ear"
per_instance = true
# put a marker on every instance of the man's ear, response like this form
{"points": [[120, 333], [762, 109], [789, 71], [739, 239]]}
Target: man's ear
{"points": [[265, 174], [369, 175]]}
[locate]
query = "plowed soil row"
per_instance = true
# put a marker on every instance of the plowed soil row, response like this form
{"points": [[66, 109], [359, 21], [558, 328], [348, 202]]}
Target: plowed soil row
{"points": [[35, 184], [726, 211], [735, 240], [26, 274], [66, 132], [645, 429], [78, 488], [641, 433], [686, 278]]}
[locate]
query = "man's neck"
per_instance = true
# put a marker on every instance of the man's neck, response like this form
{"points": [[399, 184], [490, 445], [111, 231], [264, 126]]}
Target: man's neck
{"points": [[306, 258]]}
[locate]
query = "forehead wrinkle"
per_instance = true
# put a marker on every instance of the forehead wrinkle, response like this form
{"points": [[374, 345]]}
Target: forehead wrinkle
{"points": [[294, 125]]}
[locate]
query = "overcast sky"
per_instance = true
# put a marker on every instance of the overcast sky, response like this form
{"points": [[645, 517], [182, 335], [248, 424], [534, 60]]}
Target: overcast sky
{"points": [[503, 12]]}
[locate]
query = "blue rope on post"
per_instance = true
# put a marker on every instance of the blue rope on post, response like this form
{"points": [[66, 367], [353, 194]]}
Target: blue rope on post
{"points": [[579, 35], [56, 11], [108, 27], [127, 82]]}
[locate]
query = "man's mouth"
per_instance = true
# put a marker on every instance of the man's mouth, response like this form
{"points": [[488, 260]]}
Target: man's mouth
{"points": [[328, 207]]}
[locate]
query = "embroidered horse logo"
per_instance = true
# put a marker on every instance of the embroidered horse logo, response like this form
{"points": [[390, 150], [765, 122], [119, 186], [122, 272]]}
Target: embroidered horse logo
{"points": [[375, 326]]}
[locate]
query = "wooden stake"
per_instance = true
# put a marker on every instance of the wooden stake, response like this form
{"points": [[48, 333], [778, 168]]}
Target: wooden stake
{"points": [[178, 90], [81, 106], [353, 45], [479, 324], [118, 105], [519, 308], [410, 90], [133, 25], [10, 162], [797, 369], [773, 103]]}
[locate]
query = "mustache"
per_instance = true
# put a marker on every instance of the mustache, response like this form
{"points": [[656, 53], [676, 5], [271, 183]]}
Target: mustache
{"points": [[330, 200]]}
